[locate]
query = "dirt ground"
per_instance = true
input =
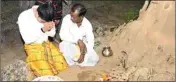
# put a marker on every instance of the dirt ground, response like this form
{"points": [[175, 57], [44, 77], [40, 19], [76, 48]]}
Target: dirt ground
{"points": [[97, 14], [141, 52]]}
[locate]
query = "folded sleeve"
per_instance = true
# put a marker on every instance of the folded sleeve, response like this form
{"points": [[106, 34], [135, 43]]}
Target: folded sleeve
{"points": [[90, 36]]}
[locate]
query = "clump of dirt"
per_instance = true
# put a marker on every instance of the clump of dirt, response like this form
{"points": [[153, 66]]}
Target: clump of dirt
{"points": [[148, 44]]}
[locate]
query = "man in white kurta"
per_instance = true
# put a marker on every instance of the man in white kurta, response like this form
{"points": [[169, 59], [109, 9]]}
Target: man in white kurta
{"points": [[35, 25], [30, 27], [70, 33]]}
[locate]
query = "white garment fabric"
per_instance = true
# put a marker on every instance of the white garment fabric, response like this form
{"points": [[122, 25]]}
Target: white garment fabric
{"points": [[30, 28], [70, 33]]}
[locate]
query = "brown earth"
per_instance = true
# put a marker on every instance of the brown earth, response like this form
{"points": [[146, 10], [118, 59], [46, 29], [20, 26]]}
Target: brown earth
{"points": [[149, 44], [144, 49]]}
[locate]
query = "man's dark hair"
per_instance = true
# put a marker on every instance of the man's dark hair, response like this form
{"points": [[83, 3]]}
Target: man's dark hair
{"points": [[45, 11], [80, 8]]}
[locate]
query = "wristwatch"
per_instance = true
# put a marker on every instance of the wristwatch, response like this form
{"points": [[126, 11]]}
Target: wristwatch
{"points": [[42, 30]]}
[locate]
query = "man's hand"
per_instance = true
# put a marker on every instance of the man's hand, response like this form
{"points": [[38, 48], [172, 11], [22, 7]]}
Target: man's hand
{"points": [[48, 26]]}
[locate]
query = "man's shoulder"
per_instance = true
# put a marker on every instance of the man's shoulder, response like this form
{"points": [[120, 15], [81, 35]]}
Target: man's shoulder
{"points": [[24, 16], [25, 13], [66, 17], [87, 22]]}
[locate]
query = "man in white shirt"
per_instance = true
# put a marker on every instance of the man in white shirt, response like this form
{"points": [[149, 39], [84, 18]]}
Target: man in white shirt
{"points": [[77, 38], [35, 25]]}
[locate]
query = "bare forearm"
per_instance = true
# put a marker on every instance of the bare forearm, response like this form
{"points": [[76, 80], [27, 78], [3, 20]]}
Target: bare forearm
{"points": [[82, 46]]}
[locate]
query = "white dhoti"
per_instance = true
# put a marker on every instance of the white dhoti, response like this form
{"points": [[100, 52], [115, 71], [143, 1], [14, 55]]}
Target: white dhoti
{"points": [[71, 53]]}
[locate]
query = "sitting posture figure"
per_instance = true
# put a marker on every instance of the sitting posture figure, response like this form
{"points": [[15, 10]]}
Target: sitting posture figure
{"points": [[77, 38], [35, 25]]}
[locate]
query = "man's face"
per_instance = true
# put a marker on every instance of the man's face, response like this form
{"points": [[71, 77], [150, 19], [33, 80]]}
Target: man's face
{"points": [[76, 18]]}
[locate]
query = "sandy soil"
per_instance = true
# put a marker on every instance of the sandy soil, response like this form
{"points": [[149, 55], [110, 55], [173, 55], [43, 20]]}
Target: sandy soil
{"points": [[143, 49], [149, 53]]}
